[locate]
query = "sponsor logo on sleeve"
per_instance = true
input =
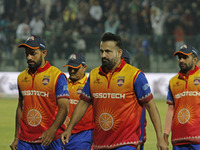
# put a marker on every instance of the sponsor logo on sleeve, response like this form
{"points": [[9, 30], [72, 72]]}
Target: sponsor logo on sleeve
{"points": [[145, 87]]}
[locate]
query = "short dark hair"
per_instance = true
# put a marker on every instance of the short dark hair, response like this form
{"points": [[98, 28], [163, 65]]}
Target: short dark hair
{"points": [[108, 36]]}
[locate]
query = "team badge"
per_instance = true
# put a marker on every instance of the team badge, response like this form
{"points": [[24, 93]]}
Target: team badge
{"points": [[196, 81], [79, 91], [45, 80], [120, 81]]}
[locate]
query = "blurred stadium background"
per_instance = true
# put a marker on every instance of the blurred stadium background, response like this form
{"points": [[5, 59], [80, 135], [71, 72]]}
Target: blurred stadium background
{"points": [[151, 29]]}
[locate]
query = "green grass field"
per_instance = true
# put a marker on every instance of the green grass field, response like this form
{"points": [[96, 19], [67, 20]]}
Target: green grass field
{"points": [[7, 125]]}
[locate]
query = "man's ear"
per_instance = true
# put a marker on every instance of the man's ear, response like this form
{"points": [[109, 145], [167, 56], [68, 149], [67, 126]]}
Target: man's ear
{"points": [[44, 52], [85, 66], [120, 51]]}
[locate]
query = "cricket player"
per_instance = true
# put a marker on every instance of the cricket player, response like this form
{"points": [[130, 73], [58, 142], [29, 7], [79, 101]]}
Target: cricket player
{"points": [[81, 138], [43, 101], [183, 114], [118, 93]]}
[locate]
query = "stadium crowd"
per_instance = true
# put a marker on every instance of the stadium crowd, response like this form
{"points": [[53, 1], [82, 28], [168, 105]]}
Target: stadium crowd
{"points": [[75, 25]]}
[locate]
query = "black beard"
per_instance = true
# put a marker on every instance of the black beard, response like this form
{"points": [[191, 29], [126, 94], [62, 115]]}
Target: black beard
{"points": [[107, 64], [33, 67], [185, 69]]}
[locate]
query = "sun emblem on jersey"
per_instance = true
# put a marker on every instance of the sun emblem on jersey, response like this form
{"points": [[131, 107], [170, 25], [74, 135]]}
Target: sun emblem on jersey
{"points": [[45, 80], [196, 81], [106, 120], [34, 117], [185, 114]]}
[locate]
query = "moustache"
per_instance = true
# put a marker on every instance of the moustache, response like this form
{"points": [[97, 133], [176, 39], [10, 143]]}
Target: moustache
{"points": [[182, 64], [103, 59], [30, 61]]}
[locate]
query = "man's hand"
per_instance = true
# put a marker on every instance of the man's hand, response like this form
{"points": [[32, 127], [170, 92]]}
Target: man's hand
{"points": [[13, 145], [161, 145], [166, 138], [138, 147], [65, 136], [47, 137]]}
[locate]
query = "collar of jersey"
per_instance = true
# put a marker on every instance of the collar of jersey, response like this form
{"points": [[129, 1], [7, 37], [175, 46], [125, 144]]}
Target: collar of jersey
{"points": [[117, 69], [190, 73], [81, 81]]}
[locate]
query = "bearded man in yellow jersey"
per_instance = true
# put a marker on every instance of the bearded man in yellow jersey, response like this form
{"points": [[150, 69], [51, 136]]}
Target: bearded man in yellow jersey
{"points": [[81, 138], [183, 114], [119, 93], [43, 101]]}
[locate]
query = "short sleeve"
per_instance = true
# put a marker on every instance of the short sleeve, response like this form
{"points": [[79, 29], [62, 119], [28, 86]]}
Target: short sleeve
{"points": [[61, 87], [86, 95], [142, 88], [170, 99]]}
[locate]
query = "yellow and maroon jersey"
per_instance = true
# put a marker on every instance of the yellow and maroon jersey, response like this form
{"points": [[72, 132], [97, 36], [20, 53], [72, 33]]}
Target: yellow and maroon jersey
{"points": [[75, 89], [184, 94], [39, 93], [117, 99]]}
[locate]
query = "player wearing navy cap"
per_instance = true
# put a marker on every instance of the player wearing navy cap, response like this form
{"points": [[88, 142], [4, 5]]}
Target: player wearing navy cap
{"points": [[82, 133], [183, 114], [43, 101]]}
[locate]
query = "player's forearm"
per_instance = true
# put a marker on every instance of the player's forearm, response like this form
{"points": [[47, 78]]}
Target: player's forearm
{"points": [[17, 118], [78, 113], [61, 114], [168, 120], [155, 118]]}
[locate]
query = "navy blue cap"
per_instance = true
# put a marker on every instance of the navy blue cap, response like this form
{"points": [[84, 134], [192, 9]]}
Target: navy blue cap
{"points": [[34, 42], [75, 60], [187, 50]]}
